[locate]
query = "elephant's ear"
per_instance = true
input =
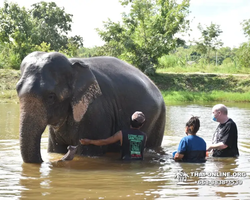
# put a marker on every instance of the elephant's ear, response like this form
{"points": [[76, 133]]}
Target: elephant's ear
{"points": [[85, 88]]}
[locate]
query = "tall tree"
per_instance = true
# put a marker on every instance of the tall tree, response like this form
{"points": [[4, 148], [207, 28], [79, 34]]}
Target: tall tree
{"points": [[52, 24], [15, 32], [246, 27], [147, 32], [44, 27], [243, 52], [209, 40]]}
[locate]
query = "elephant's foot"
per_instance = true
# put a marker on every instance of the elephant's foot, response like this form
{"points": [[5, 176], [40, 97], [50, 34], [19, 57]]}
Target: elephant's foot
{"points": [[70, 154]]}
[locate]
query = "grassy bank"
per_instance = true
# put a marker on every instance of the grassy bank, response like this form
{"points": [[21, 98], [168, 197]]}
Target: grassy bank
{"points": [[187, 87], [203, 87], [8, 81]]}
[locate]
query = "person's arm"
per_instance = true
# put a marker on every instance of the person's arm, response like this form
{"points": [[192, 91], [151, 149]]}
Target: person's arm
{"points": [[178, 156], [114, 138], [181, 149], [219, 145]]}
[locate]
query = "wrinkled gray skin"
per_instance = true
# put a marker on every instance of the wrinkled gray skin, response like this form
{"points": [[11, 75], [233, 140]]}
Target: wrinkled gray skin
{"points": [[70, 154], [83, 98]]}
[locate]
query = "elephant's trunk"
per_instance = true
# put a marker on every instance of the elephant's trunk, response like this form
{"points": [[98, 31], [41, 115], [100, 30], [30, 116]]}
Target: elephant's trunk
{"points": [[33, 121]]}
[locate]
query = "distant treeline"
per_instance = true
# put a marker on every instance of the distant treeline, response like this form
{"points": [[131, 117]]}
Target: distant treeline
{"points": [[146, 37]]}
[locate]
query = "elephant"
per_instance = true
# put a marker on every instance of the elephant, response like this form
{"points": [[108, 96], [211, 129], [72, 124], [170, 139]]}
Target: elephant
{"points": [[83, 98]]}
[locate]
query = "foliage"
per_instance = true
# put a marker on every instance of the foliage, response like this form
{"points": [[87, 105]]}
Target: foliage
{"points": [[174, 87], [89, 52], [43, 47], [147, 32], [53, 26], [246, 27], [187, 58], [243, 52], [44, 27], [209, 40], [243, 55], [203, 87], [8, 82], [181, 62], [15, 33], [198, 97]]}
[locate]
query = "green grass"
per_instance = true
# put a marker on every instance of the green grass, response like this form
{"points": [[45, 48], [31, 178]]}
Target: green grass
{"points": [[223, 69], [203, 87], [8, 81], [175, 87], [8, 96], [173, 63], [199, 97]]}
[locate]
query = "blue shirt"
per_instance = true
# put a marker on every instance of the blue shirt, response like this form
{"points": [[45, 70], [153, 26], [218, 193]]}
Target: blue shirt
{"points": [[194, 149]]}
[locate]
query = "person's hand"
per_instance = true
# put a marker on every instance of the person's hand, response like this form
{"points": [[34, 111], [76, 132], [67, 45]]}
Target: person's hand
{"points": [[85, 141], [209, 148]]}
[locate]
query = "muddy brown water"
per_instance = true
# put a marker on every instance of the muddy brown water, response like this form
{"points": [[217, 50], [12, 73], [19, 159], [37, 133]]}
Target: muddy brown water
{"points": [[109, 178]]}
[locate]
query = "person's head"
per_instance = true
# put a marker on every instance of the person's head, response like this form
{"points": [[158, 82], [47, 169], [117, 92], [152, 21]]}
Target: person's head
{"points": [[193, 125], [219, 113], [137, 119]]}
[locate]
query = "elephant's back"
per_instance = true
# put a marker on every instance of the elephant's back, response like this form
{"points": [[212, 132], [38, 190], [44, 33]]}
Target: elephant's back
{"points": [[119, 72], [110, 65]]}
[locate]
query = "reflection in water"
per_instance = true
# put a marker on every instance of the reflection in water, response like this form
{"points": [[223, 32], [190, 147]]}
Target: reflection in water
{"points": [[110, 178]]}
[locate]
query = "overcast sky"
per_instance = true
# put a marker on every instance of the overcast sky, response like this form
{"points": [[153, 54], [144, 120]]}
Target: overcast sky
{"points": [[89, 14]]}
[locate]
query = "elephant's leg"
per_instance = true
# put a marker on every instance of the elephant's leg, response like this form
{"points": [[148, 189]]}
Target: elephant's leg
{"points": [[53, 145]]}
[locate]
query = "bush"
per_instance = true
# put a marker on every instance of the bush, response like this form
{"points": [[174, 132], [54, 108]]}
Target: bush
{"points": [[243, 55], [168, 61], [227, 61]]}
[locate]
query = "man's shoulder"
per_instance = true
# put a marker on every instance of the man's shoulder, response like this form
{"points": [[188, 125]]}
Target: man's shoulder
{"points": [[230, 123], [133, 131]]}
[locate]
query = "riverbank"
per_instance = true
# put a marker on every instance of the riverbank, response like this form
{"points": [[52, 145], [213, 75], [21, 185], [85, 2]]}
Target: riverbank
{"points": [[8, 81], [175, 87], [203, 87]]}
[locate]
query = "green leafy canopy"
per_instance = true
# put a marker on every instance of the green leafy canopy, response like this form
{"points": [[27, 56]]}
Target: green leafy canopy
{"points": [[147, 32], [44, 27]]}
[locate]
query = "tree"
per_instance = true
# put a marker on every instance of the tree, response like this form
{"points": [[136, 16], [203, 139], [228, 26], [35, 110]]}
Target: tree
{"points": [[45, 26], [243, 52], [243, 55], [147, 32], [15, 33], [52, 25], [73, 45], [246, 27], [209, 40]]}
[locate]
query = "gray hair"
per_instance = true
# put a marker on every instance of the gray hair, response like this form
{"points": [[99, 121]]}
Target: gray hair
{"points": [[221, 107]]}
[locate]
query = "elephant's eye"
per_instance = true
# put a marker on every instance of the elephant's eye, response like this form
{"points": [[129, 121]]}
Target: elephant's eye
{"points": [[51, 98]]}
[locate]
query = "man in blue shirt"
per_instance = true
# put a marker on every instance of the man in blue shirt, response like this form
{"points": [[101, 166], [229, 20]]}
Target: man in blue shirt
{"points": [[192, 148]]}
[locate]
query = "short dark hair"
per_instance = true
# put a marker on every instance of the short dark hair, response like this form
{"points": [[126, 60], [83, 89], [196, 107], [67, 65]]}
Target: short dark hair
{"points": [[135, 124], [193, 125]]}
